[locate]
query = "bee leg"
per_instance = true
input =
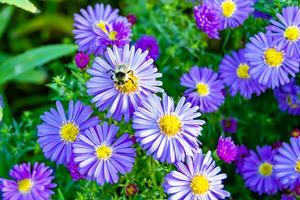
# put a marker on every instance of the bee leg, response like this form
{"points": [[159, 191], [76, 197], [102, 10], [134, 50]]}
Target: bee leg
{"points": [[132, 82], [130, 72], [109, 71]]}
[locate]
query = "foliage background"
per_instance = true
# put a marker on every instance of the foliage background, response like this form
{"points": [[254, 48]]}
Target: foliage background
{"points": [[46, 77]]}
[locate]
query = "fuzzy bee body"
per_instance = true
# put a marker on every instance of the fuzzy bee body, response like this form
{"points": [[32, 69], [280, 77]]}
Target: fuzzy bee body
{"points": [[121, 75]]}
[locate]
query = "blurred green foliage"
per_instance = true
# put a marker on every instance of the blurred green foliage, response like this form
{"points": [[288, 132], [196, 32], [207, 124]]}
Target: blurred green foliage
{"points": [[34, 73]]}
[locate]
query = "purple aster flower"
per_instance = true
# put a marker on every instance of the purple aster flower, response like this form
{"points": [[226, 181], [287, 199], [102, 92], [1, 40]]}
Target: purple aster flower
{"points": [[286, 31], [97, 28], [234, 70], [167, 132], [242, 153], [204, 89], [198, 178], [121, 80], [270, 65], [288, 98], [226, 149], [82, 60], [100, 155], [287, 166], [229, 125], [31, 182], [148, 43], [233, 12], [258, 173], [207, 20], [58, 132], [74, 170]]}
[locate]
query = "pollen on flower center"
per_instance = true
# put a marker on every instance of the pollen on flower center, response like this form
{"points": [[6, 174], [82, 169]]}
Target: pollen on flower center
{"points": [[202, 89], [112, 35], [199, 184], [242, 71], [273, 57], [130, 86], [170, 125], [297, 166], [265, 169], [25, 185], [292, 33], [102, 26], [103, 152], [228, 8], [69, 132]]}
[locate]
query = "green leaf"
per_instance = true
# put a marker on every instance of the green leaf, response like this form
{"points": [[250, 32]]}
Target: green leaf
{"points": [[5, 15], [60, 195], [14, 66], [24, 4], [32, 76], [45, 22]]}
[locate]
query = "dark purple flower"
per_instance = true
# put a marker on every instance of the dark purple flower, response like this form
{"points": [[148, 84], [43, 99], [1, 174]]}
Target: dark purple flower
{"points": [[287, 197], [31, 182], [149, 43], [131, 189], [226, 149], [207, 20], [276, 145], [74, 170], [288, 98], [297, 188], [243, 152], [258, 171], [229, 125], [82, 60], [131, 18]]}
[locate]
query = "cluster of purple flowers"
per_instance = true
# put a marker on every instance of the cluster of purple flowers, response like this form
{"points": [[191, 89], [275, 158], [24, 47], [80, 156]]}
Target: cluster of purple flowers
{"points": [[213, 16], [123, 82], [271, 168]]}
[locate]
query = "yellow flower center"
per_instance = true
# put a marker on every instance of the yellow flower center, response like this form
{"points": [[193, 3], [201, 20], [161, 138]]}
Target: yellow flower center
{"points": [[202, 89], [25, 185], [130, 86], [265, 169], [292, 33], [273, 57], [228, 8], [242, 71], [297, 166], [102, 26], [170, 125], [103, 152], [112, 35], [199, 185], [69, 132]]}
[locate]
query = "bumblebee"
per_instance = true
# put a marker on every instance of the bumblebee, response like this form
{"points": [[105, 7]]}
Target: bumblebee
{"points": [[121, 75]]}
